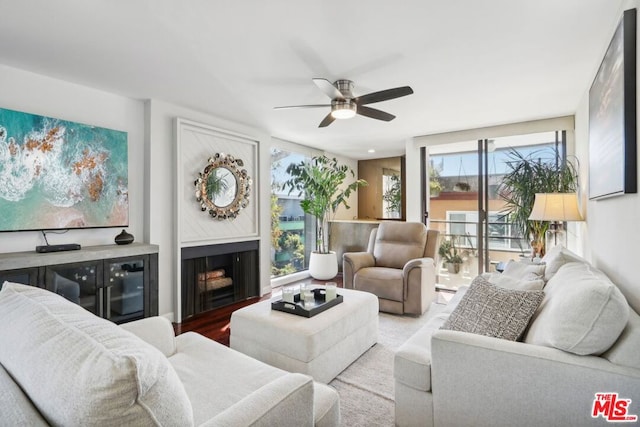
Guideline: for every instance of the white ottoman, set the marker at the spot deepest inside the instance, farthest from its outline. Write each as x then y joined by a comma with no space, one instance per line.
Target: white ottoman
321,346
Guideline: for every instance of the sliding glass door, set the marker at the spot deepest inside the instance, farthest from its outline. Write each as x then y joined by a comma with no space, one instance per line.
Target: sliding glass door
462,188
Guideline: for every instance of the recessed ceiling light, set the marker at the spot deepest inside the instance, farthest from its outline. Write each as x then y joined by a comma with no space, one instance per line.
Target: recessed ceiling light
371,150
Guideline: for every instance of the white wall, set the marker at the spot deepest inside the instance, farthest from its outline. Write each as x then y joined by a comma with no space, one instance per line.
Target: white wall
37,94
412,187
159,229
612,235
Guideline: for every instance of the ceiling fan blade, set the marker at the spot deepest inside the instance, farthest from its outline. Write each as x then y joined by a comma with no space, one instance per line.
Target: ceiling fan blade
302,106
328,88
326,121
374,114
383,95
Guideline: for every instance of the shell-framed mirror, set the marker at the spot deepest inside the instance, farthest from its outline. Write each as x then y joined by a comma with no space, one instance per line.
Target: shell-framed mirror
223,187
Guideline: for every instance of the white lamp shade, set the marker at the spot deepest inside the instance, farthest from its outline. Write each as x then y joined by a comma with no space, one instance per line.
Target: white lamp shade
555,207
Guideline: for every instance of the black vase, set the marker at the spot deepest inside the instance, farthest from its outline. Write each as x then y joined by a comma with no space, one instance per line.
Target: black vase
124,238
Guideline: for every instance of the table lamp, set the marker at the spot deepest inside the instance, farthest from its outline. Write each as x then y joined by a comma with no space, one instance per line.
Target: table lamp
555,208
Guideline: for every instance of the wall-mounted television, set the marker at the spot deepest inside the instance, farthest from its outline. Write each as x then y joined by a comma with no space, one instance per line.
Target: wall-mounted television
56,174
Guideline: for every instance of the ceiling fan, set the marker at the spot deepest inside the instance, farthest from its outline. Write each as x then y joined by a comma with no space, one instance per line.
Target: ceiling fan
344,105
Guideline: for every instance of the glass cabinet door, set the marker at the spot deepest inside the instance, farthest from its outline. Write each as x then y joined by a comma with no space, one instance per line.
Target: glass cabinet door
124,289
78,282
26,276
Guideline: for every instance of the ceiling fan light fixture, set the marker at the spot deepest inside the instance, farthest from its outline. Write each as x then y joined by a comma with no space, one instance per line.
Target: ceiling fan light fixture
343,109
344,105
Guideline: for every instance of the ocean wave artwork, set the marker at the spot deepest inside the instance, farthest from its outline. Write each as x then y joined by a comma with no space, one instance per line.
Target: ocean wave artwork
57,174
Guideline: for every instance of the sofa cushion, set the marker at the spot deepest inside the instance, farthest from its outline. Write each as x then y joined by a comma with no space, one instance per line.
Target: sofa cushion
201,362
96,373
412,360
17,409
521,275
518,269
556,258
625,350
386,283
455,300
528,282
582,312
487,309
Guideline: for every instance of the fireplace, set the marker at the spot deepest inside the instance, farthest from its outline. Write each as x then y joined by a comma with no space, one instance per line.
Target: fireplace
217,275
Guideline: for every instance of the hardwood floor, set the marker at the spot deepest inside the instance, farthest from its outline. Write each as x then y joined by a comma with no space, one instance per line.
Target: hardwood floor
215,324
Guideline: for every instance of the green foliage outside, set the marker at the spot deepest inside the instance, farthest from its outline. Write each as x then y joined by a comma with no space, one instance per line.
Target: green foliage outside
435,187
393,196
294,245
288,246
319,182
276,231
528,175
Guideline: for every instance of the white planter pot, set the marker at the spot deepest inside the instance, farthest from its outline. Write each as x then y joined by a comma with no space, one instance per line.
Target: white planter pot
323,266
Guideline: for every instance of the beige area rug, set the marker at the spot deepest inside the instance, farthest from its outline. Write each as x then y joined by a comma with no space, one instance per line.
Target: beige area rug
366,386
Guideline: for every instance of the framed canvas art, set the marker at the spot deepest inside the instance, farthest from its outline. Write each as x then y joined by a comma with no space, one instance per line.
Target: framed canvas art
612,116
57,174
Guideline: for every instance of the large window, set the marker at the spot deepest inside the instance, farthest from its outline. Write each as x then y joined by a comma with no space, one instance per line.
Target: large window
466,203
291,230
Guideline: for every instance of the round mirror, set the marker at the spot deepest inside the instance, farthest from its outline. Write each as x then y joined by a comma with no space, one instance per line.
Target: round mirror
223,187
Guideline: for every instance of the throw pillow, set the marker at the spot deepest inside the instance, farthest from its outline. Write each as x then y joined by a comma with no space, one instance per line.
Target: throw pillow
556,258
519,269
487,309
522,275
482,278
582,312
528,282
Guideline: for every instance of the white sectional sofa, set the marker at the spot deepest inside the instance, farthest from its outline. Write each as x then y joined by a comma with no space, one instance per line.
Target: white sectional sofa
61,365
583,339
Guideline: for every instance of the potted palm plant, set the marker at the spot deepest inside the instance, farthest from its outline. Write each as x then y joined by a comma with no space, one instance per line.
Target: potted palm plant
450,255
321,183
527,175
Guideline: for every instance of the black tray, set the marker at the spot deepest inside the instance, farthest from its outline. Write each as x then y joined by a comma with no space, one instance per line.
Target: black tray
299,308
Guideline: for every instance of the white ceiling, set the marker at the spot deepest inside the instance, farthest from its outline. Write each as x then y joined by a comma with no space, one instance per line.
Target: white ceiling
471,63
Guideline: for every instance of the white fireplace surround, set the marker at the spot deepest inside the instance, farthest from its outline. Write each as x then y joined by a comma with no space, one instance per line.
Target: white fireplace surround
195,144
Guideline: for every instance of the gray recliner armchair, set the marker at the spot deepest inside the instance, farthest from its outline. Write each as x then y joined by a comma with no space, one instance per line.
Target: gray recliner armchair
399,267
